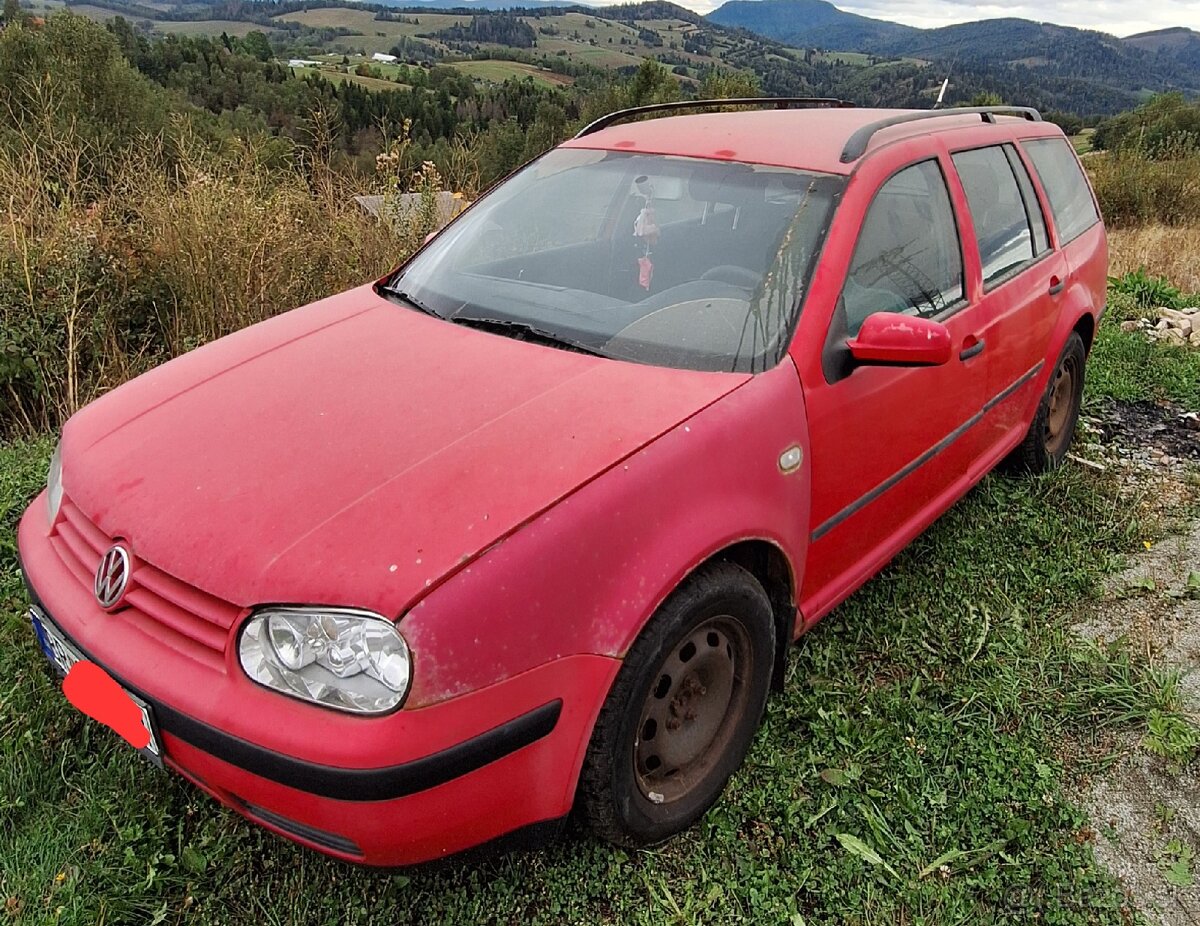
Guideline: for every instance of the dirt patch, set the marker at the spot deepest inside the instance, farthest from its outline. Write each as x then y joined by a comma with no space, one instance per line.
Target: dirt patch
1147,429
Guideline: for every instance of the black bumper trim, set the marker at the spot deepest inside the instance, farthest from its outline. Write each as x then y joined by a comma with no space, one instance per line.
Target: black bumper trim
363,784
344,784
318,837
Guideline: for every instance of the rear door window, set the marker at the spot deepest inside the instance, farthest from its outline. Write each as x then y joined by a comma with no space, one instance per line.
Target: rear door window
1071,201
1002,225
1033,207
908,258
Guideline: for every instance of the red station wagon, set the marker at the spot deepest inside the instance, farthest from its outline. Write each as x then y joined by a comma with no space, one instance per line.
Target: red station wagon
529,524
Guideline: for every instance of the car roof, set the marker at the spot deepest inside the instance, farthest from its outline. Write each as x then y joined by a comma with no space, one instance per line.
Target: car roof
805,139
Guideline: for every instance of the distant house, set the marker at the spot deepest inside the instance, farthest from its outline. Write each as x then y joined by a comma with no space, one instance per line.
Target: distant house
302,63
384,59
404,205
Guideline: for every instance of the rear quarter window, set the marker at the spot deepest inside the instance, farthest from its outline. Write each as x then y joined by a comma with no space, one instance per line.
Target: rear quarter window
1071,201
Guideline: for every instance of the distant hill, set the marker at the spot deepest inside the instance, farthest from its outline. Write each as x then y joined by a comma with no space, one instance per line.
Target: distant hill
810,24
1016,52
1179,45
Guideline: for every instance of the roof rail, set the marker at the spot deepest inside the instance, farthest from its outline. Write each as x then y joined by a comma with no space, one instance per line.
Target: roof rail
782,102
856,147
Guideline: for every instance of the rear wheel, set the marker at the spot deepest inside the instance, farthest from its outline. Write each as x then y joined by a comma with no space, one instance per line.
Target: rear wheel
1049,437
683,710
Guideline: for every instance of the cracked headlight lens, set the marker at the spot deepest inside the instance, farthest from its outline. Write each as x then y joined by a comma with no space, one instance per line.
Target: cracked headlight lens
350,660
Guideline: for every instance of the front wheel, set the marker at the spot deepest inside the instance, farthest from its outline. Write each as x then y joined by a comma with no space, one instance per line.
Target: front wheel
1049,437
683,710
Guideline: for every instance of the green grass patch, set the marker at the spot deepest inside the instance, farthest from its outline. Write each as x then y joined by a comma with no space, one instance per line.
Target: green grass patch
1127,365
499,71
912,771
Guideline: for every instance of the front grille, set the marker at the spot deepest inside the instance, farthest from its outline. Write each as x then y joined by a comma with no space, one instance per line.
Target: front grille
325,840
188,620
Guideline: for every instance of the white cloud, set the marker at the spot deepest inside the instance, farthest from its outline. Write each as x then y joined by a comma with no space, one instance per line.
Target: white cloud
1120,17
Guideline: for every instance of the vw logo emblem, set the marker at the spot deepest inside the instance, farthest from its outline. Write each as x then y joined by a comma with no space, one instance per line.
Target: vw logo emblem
112,577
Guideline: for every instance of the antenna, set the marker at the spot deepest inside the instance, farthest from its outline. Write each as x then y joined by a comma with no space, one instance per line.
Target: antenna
942,93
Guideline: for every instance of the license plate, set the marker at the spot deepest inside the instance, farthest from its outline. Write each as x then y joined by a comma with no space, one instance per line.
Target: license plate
62,654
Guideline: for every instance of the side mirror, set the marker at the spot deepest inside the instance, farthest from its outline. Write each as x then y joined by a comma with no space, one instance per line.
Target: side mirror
891,339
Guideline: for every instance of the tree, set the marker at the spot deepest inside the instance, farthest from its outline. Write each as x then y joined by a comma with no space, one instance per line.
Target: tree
986,99
12,11
258,45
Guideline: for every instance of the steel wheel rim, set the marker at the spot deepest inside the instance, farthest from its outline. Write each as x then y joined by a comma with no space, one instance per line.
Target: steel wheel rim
692,709
1059,418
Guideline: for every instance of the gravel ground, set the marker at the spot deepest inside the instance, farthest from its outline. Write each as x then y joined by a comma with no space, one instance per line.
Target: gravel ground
1146,809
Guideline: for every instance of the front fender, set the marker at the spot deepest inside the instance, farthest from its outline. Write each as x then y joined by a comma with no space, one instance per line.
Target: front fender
585,576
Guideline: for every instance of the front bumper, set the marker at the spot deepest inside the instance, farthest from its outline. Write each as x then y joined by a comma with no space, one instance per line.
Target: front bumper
413,786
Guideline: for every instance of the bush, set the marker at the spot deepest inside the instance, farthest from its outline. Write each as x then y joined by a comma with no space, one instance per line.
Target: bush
1159,129
1145,291
1136,189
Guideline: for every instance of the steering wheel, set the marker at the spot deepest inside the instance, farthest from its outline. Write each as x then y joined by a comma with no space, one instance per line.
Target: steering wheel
734,275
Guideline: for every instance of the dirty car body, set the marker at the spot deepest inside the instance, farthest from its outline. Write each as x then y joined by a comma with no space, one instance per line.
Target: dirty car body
385,556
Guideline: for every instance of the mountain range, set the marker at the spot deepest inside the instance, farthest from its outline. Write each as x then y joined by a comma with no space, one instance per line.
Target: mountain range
1167,59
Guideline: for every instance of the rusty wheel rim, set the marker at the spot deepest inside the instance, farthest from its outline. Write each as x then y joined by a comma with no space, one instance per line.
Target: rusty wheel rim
1060,420
692,710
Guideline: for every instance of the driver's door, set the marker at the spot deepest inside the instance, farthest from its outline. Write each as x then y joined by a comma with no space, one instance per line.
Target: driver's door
891,446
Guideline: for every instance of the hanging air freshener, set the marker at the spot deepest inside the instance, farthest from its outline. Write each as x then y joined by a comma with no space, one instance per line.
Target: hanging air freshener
645,272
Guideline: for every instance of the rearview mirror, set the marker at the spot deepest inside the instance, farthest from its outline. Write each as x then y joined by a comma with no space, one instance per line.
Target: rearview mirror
892,339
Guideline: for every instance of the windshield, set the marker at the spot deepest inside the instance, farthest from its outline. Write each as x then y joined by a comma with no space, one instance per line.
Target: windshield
672,261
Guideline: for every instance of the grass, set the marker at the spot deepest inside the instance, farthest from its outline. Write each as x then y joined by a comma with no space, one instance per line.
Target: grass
500,71
1163,250
1129,367
338,77
209,27
914,769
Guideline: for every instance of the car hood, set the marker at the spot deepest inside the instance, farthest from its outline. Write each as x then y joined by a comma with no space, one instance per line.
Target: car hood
355,451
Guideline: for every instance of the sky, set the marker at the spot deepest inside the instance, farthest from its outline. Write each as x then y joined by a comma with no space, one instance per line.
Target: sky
1120,17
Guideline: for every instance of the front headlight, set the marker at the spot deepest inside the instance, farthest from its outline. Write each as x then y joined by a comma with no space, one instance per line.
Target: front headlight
54,490
350,660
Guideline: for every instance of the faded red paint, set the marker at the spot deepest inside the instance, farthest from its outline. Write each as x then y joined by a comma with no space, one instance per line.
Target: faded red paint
519,511
94,692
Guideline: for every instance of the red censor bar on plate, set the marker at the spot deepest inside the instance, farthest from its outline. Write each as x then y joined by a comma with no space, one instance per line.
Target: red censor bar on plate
94,692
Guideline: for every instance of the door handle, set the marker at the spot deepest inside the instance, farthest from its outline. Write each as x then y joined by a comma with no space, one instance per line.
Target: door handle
973,350
1057,284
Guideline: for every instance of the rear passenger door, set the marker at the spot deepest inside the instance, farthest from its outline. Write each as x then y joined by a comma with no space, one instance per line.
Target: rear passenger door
1021,279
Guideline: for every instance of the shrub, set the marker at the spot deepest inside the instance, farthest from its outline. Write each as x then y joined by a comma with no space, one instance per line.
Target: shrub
1159,128
1147,292
181,245
1136,189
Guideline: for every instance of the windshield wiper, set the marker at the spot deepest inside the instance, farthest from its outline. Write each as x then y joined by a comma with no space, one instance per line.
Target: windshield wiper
523,331
414,302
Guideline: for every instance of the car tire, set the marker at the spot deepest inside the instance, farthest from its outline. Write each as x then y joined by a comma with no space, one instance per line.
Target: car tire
1049,437
683,710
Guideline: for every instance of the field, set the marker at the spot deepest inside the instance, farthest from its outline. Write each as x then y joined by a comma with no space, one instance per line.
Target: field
372,35
207,27
500,71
